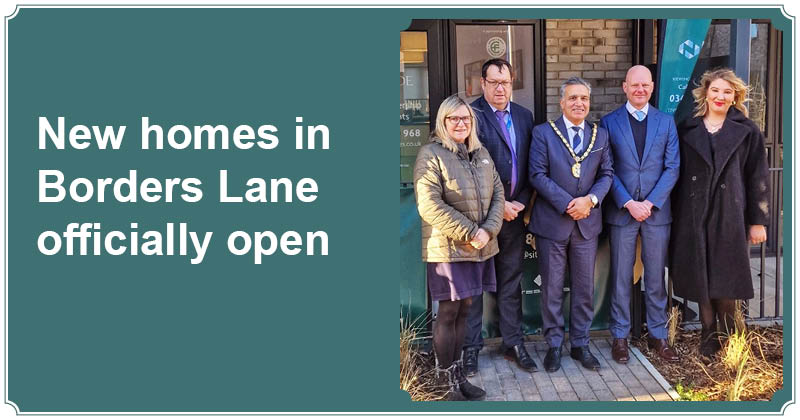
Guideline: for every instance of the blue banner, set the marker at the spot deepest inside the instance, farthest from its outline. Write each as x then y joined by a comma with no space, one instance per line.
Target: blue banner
682,43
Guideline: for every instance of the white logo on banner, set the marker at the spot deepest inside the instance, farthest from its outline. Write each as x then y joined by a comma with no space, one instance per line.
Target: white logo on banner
496,47
689,49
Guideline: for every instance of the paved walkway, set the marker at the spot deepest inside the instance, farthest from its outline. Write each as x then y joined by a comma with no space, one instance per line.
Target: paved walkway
635,381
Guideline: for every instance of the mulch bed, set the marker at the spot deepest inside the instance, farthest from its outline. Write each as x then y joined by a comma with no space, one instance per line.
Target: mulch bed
710,378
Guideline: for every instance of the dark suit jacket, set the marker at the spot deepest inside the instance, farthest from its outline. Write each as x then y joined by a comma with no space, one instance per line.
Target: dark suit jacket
550,171
653,177
491,136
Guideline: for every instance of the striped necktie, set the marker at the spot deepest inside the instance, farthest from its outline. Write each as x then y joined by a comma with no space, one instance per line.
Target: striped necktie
576,139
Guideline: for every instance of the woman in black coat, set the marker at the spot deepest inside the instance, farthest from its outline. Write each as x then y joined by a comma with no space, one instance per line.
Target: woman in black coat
720,204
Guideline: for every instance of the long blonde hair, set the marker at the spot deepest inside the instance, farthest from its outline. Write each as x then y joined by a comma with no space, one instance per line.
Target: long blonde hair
449,106
740,90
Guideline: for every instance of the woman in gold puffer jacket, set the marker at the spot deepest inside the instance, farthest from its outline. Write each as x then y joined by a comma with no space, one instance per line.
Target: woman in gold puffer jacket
460,199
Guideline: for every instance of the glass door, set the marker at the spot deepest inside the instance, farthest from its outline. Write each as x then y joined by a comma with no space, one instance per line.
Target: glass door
518,42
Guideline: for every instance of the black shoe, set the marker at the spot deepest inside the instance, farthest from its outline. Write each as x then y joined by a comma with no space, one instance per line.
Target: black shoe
470,358
521,356
583,355
552,362
470,391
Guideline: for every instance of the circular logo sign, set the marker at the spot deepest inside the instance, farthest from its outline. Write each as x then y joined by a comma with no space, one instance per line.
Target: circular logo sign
496,47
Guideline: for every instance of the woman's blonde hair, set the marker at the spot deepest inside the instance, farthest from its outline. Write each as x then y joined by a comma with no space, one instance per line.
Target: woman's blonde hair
740,90
449,106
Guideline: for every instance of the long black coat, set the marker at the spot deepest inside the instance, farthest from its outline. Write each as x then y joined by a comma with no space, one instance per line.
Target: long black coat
713,204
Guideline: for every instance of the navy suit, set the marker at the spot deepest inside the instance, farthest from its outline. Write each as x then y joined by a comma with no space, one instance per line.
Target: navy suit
511,239
559,238
649,178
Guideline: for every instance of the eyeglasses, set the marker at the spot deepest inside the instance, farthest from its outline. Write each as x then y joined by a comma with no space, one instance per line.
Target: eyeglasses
493,84
455,120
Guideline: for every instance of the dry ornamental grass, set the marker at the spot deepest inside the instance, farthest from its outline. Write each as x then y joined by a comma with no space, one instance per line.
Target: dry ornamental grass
417,375
749,367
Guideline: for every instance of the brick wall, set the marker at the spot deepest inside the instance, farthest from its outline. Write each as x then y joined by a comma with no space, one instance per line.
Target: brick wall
598,50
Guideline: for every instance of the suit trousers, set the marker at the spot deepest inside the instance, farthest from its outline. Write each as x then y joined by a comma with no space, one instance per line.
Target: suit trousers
655,241
508,269
554,256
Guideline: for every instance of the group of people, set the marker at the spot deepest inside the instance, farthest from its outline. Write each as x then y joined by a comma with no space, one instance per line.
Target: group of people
696,194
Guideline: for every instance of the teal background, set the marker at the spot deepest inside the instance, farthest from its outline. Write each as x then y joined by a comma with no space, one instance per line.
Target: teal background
297,333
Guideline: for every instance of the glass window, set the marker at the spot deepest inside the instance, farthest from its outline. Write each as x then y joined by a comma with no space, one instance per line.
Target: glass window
759,57
477,43
716,49
414,100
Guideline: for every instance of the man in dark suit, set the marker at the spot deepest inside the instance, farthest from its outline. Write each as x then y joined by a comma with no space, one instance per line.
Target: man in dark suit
570,167
644,144
504,128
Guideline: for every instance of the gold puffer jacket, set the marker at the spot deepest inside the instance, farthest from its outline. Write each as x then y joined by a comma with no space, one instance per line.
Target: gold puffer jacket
457,193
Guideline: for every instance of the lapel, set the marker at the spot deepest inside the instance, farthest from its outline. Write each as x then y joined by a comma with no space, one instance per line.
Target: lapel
697,137
627,133
653,121
587,138
727,141
563,129
493,121
517,127
730,136
555,140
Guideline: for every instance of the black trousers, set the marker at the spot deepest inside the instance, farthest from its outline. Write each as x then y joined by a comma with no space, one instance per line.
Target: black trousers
508,269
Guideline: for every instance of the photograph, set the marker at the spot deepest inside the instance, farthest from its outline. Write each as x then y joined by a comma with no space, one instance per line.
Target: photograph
596,213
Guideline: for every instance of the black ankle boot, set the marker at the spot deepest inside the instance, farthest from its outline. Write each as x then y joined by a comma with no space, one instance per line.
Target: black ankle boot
448,378
470,392
709,342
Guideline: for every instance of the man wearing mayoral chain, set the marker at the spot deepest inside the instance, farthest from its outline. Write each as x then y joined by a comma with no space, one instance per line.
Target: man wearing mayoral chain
571,169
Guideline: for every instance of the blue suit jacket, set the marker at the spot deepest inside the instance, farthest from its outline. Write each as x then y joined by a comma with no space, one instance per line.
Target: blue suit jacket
550,169
491,136
653,177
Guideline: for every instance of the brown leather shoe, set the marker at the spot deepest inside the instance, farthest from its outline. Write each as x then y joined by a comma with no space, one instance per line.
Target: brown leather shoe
619,350
663,349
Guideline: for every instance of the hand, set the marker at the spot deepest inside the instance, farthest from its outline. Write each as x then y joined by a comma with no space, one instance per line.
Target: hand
649,206
511,211
579,208
480,240
638,210
757,234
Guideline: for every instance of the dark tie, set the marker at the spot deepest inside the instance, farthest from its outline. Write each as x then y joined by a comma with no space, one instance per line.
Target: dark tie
576,139
501,119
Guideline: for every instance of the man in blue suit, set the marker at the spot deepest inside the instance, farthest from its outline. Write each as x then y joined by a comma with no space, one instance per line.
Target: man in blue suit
644,144
504,129
571,169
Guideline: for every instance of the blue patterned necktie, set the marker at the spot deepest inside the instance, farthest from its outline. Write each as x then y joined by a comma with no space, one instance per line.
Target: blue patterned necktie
639,115
576,139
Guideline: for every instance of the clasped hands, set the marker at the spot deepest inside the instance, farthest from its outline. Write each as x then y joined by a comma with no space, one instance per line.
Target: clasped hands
480,239
639,210
580,207
511,210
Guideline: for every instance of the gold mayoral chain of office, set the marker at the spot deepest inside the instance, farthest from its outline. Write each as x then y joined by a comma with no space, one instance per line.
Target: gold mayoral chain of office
576,167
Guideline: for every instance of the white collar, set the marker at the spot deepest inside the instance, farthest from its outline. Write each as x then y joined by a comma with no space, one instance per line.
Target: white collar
631,109
569,123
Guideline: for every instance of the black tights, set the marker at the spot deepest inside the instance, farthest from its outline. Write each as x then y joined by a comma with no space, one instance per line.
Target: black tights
449,329
715,310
